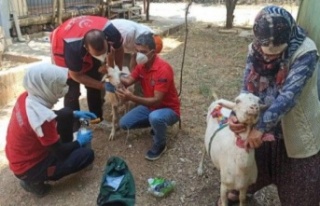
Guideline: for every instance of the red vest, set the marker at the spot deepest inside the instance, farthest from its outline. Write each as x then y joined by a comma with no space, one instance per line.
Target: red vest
70,34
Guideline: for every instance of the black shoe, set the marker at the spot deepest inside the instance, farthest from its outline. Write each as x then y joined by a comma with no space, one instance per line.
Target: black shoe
38,189
155,152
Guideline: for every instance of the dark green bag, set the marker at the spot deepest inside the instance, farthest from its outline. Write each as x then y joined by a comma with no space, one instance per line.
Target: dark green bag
117,185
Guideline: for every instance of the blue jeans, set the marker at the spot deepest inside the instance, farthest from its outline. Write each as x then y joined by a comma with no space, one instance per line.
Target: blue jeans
141,117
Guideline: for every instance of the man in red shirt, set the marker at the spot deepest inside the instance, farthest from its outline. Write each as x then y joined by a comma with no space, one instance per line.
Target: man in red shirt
82,45
40,144
160,105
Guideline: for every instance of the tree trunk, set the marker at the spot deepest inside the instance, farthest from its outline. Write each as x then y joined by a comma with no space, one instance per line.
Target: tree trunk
147,10
230,6
60,11
54,10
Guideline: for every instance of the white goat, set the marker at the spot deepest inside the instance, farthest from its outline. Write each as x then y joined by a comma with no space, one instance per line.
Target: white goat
112,97
237,165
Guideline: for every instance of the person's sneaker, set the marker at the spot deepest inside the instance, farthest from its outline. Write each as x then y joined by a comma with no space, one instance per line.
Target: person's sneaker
155,152
104,125
38,189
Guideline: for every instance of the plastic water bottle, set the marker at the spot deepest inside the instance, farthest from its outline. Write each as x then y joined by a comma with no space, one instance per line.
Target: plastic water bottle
84,129
160,187
84,124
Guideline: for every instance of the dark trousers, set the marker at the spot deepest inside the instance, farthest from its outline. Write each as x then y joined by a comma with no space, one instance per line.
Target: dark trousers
94,96
52,168
297,179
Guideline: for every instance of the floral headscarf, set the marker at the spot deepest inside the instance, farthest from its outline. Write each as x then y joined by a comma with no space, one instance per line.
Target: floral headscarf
273,25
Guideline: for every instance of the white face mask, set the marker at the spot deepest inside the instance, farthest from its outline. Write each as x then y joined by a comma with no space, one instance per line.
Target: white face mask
101,58
273,50
141,58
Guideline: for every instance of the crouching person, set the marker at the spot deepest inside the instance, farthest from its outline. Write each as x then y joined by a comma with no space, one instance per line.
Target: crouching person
160,105
40,144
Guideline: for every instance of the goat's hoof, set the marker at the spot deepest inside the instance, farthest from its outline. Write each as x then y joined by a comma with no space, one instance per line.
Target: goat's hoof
200,172
111,137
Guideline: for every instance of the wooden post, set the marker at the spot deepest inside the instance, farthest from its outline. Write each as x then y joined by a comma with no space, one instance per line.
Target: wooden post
2,46
102,8
144,7
54,9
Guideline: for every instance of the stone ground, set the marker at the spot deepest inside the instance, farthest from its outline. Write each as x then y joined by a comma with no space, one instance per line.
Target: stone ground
214,62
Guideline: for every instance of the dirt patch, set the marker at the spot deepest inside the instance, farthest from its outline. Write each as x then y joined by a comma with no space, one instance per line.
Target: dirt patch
214,62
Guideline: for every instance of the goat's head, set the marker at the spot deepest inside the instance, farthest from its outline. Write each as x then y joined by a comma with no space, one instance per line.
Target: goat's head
114,76
246,107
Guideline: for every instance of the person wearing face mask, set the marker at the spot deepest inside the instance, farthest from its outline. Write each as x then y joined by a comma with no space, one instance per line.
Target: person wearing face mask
129,31
160,106
84,45
39,141
282,69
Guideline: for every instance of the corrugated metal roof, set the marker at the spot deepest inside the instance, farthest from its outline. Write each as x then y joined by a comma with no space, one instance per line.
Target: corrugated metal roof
309,19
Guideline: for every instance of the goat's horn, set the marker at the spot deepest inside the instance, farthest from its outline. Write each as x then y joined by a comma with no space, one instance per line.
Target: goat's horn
263,107
226,103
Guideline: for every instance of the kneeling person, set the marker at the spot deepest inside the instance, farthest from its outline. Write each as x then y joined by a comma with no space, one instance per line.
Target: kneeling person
160,105
40,144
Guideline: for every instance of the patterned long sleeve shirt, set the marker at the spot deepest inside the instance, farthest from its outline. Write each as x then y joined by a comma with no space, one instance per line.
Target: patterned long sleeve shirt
281,100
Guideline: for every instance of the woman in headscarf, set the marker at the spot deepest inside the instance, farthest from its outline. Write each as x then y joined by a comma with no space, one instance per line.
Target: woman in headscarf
281,70
39,140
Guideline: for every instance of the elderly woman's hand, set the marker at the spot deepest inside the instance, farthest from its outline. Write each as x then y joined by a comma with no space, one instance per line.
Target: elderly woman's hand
254,138
235,126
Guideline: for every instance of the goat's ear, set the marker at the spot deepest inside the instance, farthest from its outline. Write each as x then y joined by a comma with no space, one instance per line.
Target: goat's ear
116,68
104,78
226,103
125,69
